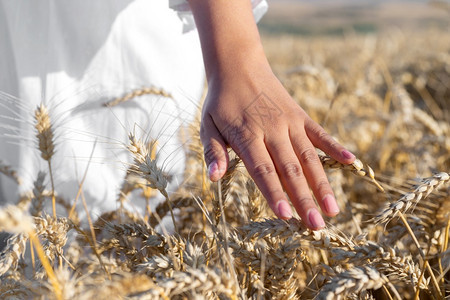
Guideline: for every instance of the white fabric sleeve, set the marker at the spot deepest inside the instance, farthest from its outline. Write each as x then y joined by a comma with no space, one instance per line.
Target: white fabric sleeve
184,12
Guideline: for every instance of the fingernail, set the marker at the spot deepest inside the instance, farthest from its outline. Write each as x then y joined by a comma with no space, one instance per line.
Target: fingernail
284,210
315,219
330,204
348,155
213,169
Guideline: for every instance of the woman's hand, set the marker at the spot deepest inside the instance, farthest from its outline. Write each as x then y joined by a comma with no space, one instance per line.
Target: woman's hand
248,109
252,112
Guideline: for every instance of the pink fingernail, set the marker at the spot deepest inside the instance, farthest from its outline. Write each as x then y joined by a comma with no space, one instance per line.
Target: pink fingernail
315,219
348,155
213,170
330,205
284,210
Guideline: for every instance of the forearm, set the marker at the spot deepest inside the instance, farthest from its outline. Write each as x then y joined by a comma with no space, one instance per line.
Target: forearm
229,36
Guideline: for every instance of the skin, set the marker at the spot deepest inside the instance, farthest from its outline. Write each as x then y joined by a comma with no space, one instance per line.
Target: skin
248,109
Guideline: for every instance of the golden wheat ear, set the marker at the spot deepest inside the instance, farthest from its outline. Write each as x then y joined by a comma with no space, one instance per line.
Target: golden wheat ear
45,136
137,93
409,200
45,132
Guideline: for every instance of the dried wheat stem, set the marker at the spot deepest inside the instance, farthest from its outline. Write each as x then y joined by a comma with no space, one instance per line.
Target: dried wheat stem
225,248
357,167
422,254
46,264
416,294
172,214
138,93
408,200
53,188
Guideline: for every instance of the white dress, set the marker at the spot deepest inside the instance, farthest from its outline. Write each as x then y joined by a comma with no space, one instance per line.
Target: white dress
76,55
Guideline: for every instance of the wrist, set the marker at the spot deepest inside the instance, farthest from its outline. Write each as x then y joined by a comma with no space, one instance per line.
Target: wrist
229,37
237,63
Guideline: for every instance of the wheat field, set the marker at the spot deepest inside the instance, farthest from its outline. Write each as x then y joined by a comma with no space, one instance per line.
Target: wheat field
385,96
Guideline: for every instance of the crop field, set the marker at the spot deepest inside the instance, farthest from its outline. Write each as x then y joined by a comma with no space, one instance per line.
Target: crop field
384,94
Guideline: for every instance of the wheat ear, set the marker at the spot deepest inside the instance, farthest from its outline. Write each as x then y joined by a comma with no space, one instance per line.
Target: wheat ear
11,254
225,186
353,280
13,219
138,93
45,137
37,201
410,199
357,167
146,167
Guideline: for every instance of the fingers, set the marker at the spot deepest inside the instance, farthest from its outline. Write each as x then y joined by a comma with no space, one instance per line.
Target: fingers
314,173
215,149
260,166
292,174
322,140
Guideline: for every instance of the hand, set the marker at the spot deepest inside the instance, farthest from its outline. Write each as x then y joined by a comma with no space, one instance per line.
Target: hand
252,112
248,109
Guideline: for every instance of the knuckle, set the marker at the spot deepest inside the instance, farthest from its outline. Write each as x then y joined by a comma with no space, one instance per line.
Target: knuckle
309,157
323,187
303,201
323,135
327,138
263,170
291,170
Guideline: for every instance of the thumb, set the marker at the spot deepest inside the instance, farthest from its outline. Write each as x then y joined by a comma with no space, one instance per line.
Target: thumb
215,149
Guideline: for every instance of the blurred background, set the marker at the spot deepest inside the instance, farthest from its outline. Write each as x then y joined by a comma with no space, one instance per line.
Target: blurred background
338,17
